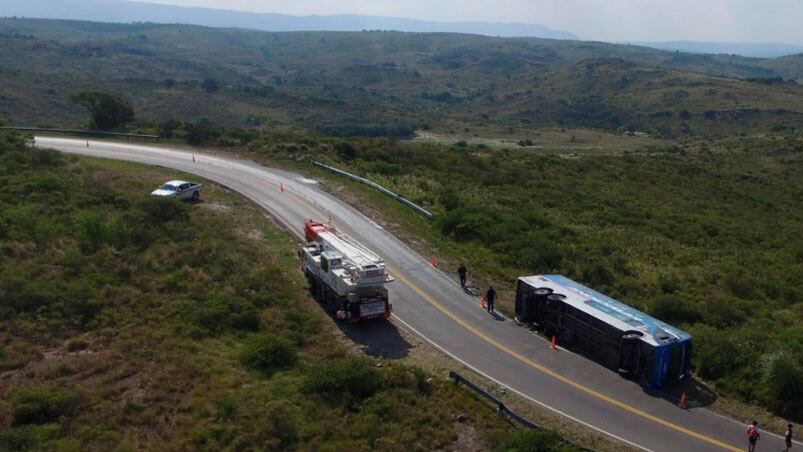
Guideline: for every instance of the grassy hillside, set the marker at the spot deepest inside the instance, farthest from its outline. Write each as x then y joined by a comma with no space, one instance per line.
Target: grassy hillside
386,83
131,323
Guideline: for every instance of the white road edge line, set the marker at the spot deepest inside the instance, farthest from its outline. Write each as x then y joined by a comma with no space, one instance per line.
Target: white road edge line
542,404
766,432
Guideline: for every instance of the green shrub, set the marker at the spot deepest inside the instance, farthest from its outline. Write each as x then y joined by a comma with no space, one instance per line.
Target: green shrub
346,151
466,224
344,381
674,309
41,405
268,354
717,355
94,230
223,312
783,382
201,132
278,427
29,437
534,440
158,210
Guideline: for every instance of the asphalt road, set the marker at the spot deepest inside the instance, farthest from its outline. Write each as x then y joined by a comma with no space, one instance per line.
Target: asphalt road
430,303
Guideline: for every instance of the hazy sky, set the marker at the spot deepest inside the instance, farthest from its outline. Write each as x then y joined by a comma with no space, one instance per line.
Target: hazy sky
609,20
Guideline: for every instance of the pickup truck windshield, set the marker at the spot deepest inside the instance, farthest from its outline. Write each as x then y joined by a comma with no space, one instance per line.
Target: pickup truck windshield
168,187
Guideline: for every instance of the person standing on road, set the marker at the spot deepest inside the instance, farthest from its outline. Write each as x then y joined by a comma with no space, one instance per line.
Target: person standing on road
461,271
490,296
752,436
788,437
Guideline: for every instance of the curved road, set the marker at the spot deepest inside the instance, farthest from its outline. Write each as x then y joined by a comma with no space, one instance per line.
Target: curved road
432,305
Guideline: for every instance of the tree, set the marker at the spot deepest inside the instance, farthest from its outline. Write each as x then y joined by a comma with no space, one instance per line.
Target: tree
210,85
783,382
106,111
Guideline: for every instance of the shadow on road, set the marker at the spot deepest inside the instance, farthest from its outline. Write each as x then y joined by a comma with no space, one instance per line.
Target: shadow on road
497,317
378,338
698,395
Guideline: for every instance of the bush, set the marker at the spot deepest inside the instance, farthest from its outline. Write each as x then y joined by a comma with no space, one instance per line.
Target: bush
466,223
29,437
158,210
201,132
223,312
41,405
210,85
716,355
268,354
534,440
278,426
345,151
783,381
344,381
93,231
673,309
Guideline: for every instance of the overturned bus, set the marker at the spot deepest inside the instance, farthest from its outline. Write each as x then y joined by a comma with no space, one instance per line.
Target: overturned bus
607,331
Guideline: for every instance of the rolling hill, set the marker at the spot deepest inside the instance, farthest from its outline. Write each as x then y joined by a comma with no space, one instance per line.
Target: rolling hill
135,11
387,83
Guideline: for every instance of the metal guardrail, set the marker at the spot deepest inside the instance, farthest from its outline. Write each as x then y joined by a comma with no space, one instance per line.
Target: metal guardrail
82,132
376,186
501,407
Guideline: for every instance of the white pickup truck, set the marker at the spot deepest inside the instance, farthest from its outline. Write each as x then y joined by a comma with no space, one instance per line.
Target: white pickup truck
179,189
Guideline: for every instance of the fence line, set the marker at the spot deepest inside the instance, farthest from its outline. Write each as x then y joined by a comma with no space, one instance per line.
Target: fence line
82,132
376,186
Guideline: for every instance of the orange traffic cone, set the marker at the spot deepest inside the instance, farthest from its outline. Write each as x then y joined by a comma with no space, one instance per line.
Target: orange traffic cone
434,261
281,187
553,344
682,403
483,303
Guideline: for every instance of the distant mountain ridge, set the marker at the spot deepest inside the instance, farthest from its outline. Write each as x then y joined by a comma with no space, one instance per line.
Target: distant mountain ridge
745,49
127,11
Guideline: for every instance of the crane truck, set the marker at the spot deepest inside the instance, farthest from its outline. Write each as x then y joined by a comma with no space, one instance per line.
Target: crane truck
344,276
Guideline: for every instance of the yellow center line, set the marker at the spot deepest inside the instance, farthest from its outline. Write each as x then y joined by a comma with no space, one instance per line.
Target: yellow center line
534,364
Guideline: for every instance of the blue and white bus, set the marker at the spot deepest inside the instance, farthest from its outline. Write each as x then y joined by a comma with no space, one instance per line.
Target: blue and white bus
607,331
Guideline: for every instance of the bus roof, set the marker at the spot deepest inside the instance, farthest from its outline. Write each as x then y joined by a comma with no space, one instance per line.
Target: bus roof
605,308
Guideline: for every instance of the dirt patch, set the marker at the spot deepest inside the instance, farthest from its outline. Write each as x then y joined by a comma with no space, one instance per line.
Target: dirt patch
467,439
215,207
252,234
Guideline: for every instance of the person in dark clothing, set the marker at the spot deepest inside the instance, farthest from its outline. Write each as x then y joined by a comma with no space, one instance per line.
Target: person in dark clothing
461,271
490,296
788,437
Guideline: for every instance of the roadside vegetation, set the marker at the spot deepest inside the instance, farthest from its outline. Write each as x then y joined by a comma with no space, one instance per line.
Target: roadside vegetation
128,322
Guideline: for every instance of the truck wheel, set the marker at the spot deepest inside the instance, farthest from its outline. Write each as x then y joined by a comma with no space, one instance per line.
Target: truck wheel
196,195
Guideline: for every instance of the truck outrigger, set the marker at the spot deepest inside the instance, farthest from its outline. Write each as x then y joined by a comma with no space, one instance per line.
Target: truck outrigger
347,278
